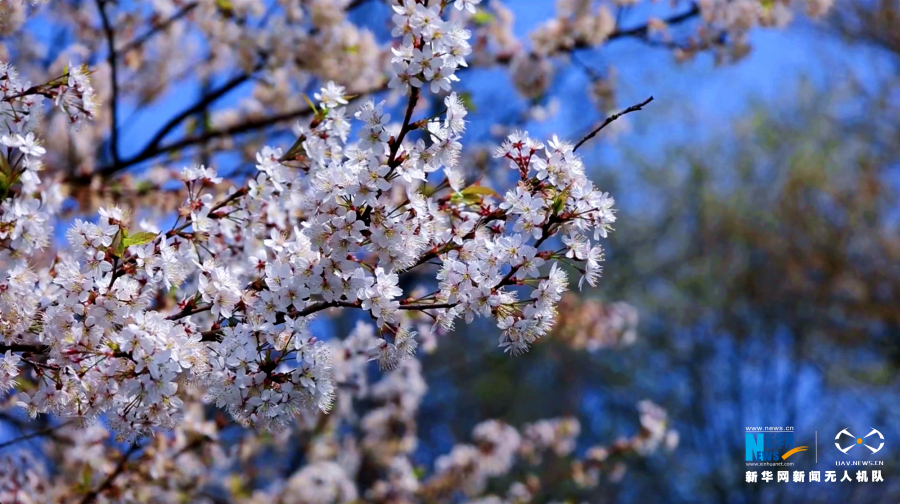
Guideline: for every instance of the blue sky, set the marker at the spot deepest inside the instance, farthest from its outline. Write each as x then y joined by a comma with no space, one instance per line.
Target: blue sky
687,95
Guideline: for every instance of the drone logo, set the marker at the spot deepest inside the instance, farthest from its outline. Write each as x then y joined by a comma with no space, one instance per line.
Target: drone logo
859,441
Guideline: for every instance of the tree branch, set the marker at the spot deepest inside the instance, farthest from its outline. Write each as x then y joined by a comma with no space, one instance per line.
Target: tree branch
640,31
435,306
395,148
592,134
188,312
120,467
34,434
237,129
200,105
141,40
21,347
265,122
279,318
113,66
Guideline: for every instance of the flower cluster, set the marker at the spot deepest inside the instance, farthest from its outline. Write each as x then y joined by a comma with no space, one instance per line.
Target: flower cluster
557,436
196,463
552,197
74,94
26,206
177,466
223,300
432,48
498,448
267,392
9,369
655,433
591,325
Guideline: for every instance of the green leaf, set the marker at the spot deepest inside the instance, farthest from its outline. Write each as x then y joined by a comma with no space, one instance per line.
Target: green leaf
87,477
480,190
115,188
473,194
466,98
118,245
559,202
5,176
310,103
144,187
139,238
295,149
482,17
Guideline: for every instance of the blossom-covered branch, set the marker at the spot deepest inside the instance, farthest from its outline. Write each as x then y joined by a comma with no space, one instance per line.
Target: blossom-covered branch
331,223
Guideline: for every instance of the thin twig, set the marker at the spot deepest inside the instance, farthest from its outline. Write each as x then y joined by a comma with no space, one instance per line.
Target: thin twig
37,433
200,105
141,40
406,128
111,45
633,108
643,29
21,347
188,312
434,306
256,124
120,467
237,129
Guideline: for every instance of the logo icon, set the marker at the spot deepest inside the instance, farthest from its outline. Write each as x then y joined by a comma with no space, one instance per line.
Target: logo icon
768,446
858,441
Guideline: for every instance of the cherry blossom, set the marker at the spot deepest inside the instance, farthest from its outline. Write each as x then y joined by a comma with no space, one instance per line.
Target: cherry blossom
133,320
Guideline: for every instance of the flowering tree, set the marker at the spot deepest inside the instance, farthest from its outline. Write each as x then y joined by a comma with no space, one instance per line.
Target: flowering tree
186,306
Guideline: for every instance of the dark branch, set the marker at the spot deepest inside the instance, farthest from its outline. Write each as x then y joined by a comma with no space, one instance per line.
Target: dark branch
113,67
640,31
197,107
237,129
158,27
435,306
20,347
38,433
120,468
592,134
188,312
265,122
395,148
279,318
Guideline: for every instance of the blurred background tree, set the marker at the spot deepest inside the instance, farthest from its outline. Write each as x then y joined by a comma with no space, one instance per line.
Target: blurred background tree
764,261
